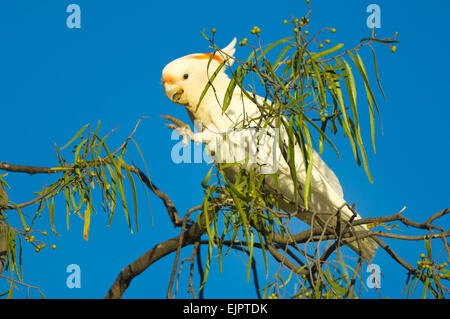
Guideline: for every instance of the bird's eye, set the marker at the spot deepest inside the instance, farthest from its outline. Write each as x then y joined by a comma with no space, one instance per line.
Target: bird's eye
185,76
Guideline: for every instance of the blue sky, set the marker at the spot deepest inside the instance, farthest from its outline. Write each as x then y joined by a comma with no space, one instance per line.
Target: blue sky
54,80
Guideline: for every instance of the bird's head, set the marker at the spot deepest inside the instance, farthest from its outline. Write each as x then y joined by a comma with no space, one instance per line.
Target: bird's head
185,78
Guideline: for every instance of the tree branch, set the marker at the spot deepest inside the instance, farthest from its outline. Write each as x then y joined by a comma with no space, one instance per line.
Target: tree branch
173,214
123,280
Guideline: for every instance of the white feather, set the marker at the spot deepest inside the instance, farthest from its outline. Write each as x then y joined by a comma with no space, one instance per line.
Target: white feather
228,52
230,48
327,196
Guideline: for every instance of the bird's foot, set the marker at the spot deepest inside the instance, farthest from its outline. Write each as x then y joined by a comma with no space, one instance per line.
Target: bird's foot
182,128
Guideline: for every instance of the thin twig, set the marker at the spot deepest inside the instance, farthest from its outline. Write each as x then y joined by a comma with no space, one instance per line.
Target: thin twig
191,269
180,245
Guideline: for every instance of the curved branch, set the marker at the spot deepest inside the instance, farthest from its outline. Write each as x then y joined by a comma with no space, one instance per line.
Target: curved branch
404,220
172,211
159,251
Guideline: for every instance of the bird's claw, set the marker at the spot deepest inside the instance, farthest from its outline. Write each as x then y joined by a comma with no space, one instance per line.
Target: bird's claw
176,121
182,128
172,126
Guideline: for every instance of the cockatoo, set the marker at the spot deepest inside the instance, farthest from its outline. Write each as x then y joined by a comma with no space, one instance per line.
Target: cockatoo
184,81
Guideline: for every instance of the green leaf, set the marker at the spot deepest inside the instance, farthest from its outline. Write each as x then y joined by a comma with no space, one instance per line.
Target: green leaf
376,72
308,164
351,88
370,96
94,135
323,135
75,137
208,261
275,44
87,221
250,256
336,87
209,191
326,52
318,74
51,212
133,190
118,179
425,287
22,219
148,174
11,289
291,156
210,80
207,177
415,285
112,194
229,94
263,249
283,53
78,149
428,247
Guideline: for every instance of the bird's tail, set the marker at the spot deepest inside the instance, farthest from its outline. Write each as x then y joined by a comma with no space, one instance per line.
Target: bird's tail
365,247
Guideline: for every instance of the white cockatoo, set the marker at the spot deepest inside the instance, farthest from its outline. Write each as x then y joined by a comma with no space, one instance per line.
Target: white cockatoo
184,81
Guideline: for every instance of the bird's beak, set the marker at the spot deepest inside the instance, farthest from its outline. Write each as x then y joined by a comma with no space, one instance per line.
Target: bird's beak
174,92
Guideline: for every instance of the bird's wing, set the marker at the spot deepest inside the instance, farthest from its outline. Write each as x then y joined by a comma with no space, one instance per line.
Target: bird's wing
327,174
323,178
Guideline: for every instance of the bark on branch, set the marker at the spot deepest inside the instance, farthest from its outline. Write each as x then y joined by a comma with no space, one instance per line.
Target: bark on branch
190,236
